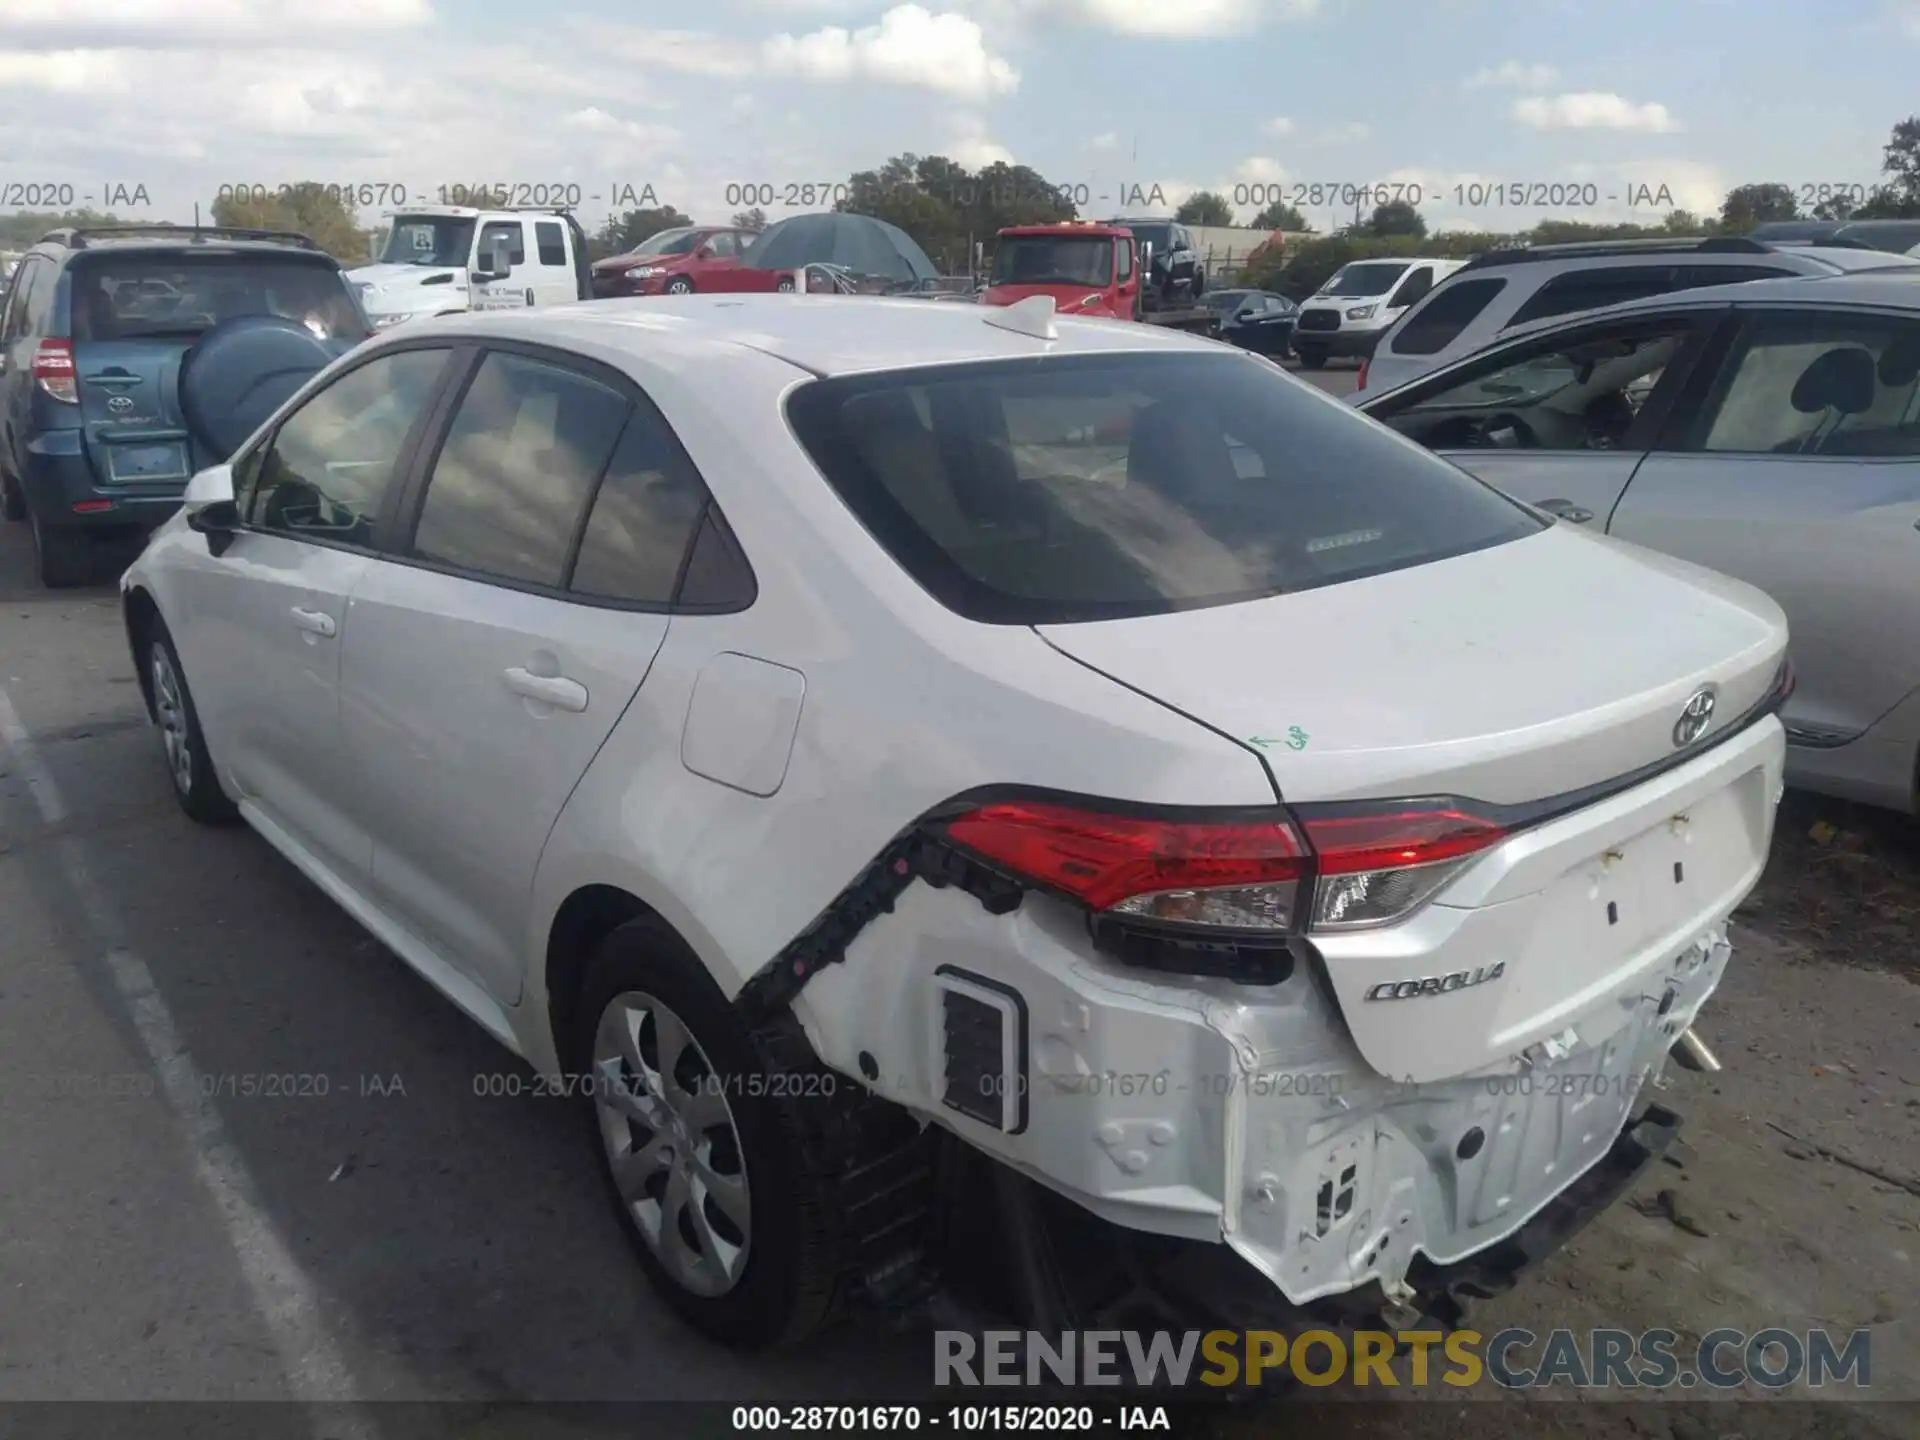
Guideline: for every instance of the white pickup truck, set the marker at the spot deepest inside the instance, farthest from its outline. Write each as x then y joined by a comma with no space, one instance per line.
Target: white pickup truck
443,259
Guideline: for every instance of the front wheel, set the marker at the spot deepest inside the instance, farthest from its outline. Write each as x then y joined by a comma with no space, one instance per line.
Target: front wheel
679,285
1313,357
702,1153
189,765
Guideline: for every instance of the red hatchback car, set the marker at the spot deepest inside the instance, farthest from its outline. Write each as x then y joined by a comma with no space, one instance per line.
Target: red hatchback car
674,262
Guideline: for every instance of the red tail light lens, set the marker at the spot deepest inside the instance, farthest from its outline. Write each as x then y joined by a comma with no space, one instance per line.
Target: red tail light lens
1377,864
1236,874
1364,366
53,370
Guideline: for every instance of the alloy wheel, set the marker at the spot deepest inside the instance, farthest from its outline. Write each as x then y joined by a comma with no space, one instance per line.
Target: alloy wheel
672,1143
172,713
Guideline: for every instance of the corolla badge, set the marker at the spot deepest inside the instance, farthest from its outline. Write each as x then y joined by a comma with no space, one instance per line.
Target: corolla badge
1694,718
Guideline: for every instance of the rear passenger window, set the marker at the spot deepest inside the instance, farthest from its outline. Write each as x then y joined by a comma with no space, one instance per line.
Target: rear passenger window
643,518
1695,276
1413,289
1592,289
512,480
552,244
1439,322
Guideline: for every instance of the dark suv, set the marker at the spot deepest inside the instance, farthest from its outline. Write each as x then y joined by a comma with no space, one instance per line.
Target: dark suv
107,337
1176,270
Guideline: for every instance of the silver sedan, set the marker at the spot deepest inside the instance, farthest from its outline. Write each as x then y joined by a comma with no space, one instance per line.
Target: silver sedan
1768,430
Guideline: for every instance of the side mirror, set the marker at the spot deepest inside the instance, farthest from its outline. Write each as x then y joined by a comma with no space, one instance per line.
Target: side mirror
219,522
210,486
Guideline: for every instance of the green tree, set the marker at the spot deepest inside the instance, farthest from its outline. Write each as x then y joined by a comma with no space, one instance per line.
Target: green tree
1685,222
1396,217
1898,197
1281,216
309,209
754,220
1835,207
1204,207
23,229
949,209
1749,205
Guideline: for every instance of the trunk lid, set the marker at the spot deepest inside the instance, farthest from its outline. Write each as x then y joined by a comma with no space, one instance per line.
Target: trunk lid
1516,673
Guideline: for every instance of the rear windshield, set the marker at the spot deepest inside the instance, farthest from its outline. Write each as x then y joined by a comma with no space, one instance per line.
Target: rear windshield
133,297
1372,277
1094,487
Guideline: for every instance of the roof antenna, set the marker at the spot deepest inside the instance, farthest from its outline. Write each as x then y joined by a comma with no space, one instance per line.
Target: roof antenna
1032,317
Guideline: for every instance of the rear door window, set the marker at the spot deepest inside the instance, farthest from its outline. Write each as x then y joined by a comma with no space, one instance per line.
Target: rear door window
551,242
510,484
1579,290
1095,487
1438,323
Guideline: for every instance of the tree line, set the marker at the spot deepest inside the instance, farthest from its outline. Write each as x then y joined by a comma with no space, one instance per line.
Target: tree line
954,213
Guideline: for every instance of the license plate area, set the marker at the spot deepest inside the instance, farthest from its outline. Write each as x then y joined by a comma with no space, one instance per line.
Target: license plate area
1641,898
146,463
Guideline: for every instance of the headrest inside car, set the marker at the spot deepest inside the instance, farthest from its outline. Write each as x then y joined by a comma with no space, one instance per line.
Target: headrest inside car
1842,379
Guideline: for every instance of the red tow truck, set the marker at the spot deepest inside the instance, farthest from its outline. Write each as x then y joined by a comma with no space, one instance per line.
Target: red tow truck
1087,267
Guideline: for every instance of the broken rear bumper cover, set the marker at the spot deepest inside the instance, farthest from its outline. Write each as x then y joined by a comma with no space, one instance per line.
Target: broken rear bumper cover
1213,1111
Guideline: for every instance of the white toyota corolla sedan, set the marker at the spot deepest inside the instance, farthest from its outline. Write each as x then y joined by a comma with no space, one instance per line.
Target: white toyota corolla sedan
933,778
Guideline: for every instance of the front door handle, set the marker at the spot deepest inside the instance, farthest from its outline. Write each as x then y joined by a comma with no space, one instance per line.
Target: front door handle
555,690
1566,510
316,622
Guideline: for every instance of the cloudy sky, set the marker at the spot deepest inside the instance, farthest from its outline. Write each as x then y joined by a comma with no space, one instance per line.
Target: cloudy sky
1134,100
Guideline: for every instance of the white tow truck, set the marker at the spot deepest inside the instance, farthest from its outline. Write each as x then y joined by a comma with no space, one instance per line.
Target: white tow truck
444,259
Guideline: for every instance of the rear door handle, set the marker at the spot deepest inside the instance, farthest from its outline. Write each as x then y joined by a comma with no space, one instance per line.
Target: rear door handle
317,622
555,690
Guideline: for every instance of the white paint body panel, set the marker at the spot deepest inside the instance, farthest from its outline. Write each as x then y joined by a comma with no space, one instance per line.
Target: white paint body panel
480,816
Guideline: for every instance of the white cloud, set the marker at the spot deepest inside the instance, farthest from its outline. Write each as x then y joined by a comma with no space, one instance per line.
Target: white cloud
595,121
1351,131
1511,74
64,72
1910,20
1593,110
1191,18
207,22
689,52
910,46
1279,125
1260,170
1104,142
972,147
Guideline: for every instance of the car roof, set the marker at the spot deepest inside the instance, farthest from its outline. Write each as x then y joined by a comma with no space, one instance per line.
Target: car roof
1890,288
828,335
145,245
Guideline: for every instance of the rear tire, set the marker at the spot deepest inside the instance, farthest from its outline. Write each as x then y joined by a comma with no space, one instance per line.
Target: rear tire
189,765
729,1220
61,556
1312,357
